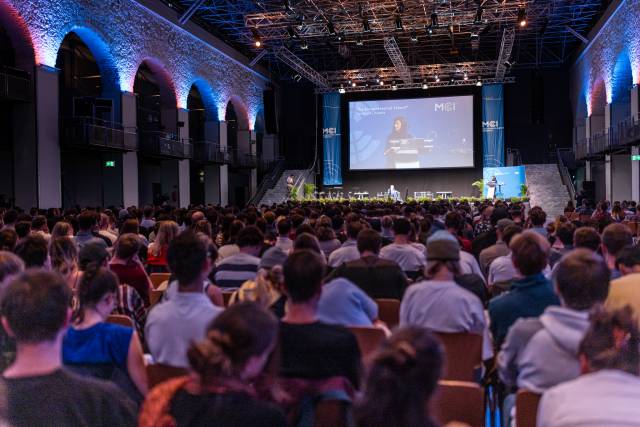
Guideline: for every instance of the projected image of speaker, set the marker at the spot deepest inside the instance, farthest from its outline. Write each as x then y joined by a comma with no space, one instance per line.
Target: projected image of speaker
270,116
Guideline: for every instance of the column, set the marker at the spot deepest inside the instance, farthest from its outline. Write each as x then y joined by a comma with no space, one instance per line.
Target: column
635,174
607,117
224,169
130,188
607,176
47,125
25,154
184,177
212,172
254,171
635,103
587,170
587,134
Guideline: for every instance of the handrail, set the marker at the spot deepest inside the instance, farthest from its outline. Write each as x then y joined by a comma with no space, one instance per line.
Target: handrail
623,134
564,173
99,133
268,181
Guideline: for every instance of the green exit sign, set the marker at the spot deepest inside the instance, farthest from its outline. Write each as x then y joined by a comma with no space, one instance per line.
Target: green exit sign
635,157
110,164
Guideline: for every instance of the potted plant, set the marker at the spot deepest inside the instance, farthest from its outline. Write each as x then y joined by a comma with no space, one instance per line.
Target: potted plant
479,184
308,190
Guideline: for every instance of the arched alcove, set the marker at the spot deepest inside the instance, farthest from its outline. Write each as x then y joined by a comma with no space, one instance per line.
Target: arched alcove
598,101
622,80
155,90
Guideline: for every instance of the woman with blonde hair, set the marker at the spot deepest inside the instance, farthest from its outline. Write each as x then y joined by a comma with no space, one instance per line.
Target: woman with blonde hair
157,253
64,259
62,229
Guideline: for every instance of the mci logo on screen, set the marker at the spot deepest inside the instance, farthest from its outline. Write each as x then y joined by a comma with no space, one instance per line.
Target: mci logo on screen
491,124
445,106
329,131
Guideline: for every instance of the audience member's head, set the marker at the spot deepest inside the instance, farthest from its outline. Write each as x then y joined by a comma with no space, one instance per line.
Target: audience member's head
92,255
303,273
35,307
612,342
237,346
34,251
10,266
582,279
510,232
96,292
353,228
401,226
64,255
369,241
443,254
188,261
23,228
565,232
127,246
628,260
537,216
8,239
87,221
586,237
250,239
62,229
529,252
284,227
404,375
615,237
39,223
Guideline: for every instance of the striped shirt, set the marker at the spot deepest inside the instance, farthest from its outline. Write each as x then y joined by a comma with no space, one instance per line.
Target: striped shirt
233,271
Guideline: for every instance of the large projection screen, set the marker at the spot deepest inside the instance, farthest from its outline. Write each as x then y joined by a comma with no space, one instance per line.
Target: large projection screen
418,133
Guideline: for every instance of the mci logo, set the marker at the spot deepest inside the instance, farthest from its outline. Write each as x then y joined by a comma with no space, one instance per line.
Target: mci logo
491,124
445,106
329,131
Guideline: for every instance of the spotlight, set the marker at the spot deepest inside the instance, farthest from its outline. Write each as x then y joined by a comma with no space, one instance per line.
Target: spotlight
522,17
257,41
509,63
304,46
359,41
377,79
354,84
479,82
434,19
394,86
399,23
366,27
341,90
429,30
331,28
465,76
437,78
340,37
478,18
381,83
414,36
425,86
349,81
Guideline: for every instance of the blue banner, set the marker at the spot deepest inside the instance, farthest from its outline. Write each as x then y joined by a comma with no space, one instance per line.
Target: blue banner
508,182
331,140
493,125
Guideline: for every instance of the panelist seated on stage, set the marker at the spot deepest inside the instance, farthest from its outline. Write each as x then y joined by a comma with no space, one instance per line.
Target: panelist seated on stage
394,194
409,258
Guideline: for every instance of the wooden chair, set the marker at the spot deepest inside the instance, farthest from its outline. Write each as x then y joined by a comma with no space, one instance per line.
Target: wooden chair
464,355
226,296
527,408
458,401
158,278
120,319
154,297
369,339
389,311
158,373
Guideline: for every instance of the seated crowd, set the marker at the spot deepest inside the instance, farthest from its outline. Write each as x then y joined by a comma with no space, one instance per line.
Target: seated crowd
259,312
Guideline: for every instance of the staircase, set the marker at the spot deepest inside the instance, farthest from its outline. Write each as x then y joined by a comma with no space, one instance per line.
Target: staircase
546,189
278,193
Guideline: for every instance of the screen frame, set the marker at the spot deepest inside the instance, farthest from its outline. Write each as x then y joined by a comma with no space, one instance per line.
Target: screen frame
440,92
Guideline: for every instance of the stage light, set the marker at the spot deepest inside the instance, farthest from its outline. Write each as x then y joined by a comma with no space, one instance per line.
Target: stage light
429,30
465,76
359,41
340,37
354,84
399,23
437,78
394,86
366,27
331,28
341,90
522,17
257,41
425,86
508,63
304,46
478,18
349,81
377,79
381,83
414,36
479,82
434,19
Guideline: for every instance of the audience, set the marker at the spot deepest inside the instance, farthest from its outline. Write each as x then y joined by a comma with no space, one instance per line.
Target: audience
614,238
379,278
236,269
349,249
87,226
157,251
401,381
283,241
500,248
344,303
410,259
172,325
501,270
34,251
625,290
100,349
234,352
64,259
607,392
36,387
530,294
127,266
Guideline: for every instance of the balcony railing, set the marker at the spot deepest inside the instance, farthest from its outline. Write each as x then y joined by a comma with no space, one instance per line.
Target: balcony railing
15,84
623,135
208,152
91,132
163,144
243,160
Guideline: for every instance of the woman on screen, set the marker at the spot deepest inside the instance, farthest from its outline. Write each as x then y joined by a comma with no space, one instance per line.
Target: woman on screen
398,153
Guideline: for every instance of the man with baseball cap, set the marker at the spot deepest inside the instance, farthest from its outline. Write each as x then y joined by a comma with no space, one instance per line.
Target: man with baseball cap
439,303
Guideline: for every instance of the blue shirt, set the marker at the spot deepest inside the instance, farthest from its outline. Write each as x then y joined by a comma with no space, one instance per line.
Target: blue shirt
344,303
528,297
103,343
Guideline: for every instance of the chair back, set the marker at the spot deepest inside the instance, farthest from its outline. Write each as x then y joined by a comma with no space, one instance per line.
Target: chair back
159,372
369,339
154,297
226,297
158,278
463,355
458,401
120,319
527,408
389,311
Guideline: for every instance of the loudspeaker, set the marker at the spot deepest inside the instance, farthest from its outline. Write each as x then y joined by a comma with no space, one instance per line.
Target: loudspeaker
270,119
589,189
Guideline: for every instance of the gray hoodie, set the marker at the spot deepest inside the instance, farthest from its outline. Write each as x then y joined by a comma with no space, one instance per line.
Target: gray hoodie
540,353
